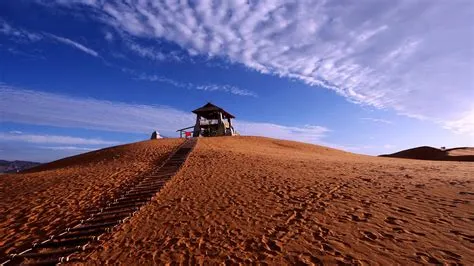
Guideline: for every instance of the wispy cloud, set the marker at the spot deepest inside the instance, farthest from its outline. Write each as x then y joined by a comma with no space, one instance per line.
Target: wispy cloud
187,85
32,138
40,108
22,35
18,34
146,52
410,56
152,52
109,36
74,44
377,120
464,125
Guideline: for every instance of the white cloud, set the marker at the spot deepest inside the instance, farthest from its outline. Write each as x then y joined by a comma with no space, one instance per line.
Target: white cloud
109,36
74,44
187,85
40,108
53,139
18,34
152,52
226,88
463,125
411,56
22,35
377,120
146,52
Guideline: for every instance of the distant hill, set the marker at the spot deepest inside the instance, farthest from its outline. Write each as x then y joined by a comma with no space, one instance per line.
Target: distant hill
429,153
15,166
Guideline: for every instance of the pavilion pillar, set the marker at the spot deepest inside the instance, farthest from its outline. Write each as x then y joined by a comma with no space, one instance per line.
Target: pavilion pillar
197,126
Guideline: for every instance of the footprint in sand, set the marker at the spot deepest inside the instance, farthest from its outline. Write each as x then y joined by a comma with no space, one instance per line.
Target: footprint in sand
271,245
464,236
369,236
398,230
405,210
329,249
392,220
307,259
417,233
449,255
427,258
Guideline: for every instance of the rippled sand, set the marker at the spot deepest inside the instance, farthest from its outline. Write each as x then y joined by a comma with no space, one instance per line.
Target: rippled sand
49,198
249,199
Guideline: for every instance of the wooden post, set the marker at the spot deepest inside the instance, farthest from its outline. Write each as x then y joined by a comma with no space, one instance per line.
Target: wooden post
197,126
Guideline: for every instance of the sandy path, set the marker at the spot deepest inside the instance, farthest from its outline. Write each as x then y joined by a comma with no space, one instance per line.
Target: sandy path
243,200
37,204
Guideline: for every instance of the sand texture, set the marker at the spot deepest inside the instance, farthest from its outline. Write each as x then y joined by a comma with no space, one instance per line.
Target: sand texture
49,198
250,200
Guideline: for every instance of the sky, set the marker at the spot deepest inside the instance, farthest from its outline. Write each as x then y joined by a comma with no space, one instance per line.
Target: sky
370,76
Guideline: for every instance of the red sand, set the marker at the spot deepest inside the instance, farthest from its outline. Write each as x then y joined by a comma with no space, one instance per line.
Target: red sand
250,200
50,197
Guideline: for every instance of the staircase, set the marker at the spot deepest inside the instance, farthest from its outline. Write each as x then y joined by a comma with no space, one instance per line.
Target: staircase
67,246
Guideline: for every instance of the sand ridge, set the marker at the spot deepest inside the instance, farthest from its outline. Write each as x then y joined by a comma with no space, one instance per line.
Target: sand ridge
249,199
49,198
462,154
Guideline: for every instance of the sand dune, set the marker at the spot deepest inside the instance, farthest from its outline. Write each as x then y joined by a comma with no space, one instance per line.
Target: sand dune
430,153
465,151
48,198
255,200
248,199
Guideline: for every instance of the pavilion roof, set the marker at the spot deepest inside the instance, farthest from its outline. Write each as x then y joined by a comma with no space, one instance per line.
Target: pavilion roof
210,108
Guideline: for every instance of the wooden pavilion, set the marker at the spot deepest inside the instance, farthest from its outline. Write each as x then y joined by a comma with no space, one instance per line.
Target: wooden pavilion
211,121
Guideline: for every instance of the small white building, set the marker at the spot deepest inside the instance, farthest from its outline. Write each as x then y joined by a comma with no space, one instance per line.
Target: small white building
156,135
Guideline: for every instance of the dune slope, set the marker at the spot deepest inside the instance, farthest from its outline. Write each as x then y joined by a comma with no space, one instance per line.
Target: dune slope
429,153
248,199
45,199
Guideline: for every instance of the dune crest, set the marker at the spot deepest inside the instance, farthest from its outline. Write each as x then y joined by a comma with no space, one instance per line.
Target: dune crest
251,199
434,154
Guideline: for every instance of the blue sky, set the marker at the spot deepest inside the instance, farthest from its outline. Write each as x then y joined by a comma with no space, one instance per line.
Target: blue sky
369,77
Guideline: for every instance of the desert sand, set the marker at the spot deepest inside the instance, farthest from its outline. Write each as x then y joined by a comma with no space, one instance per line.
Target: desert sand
465,154
249,199
259,200
47,199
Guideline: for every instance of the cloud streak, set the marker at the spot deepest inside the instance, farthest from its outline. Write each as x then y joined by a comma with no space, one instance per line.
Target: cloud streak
74,44
409,56
377,120
20,35
187,85
53,139
40,108
25,36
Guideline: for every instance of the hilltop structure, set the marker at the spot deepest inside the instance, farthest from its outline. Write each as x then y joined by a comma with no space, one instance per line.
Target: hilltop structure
211,121
155,135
